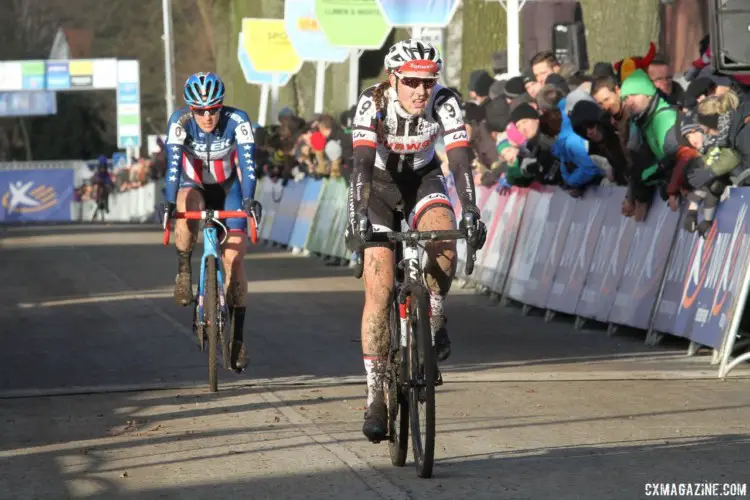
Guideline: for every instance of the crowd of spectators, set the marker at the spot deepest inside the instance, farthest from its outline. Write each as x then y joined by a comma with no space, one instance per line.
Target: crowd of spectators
629,123
109,179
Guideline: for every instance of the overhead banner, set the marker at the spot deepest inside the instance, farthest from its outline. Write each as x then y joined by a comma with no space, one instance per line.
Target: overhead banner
410,13
256,77
28,103
36,195
268,46
355,24
305,34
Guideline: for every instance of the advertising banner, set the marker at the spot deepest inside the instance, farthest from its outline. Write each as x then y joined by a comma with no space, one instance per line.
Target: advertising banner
286,213
606,266
665,318
28,103
408,13
36,195
306,212
715,271
551,245
304,32
254,76
511,225
535,214
268,46
486,267
574,262
354,24
645,266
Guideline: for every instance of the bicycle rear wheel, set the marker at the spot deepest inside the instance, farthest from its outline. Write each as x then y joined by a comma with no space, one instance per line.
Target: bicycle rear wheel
211,319
398,404
422,367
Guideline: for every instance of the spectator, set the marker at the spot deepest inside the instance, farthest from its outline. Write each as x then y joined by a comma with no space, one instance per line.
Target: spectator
513,147
479,86
333,133
588,121
577,169
661,76
658,134
543,65
697,91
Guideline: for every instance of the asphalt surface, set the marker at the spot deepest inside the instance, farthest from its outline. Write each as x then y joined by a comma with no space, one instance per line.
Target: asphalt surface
103,392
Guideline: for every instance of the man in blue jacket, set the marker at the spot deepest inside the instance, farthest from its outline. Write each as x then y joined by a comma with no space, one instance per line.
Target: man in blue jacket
578,169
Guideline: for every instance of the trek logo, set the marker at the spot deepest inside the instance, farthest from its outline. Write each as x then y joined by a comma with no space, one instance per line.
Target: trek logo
24,198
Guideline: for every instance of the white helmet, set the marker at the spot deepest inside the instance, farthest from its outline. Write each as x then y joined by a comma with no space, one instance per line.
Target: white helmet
422,55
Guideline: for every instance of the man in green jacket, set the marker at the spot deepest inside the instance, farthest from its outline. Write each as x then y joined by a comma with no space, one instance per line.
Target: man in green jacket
654,137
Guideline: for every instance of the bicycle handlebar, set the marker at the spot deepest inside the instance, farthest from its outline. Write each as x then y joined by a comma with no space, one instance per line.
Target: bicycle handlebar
213,214
413,237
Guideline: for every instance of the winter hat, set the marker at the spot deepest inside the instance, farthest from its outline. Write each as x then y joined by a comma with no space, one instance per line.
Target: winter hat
638,83
523,112
689,123
699,87
603,69
483,84
474,78
500,62
584,113
559,82
549,97
497,89
498,114
514,87
575,97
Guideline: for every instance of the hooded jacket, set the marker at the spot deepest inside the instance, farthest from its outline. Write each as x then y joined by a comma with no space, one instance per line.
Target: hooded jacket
658,126
578,169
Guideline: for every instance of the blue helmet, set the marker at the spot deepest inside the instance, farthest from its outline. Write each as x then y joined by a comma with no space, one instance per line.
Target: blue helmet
203,90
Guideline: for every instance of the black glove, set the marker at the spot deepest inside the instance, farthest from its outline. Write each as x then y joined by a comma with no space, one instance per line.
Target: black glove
358,230
169,210
476,231
253,209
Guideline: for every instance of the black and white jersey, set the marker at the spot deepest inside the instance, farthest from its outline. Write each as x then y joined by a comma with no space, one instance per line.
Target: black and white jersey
403,141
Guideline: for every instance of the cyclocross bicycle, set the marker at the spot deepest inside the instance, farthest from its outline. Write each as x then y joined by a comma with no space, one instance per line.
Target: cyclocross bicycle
412,373
211,311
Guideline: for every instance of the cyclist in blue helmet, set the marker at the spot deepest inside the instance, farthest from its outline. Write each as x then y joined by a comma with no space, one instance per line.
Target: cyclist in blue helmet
211,164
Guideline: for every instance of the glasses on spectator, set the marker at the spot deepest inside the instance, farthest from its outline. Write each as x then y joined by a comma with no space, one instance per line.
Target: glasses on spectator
210,111
413,82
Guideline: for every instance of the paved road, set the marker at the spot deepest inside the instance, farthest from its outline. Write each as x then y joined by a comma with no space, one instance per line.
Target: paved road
104,391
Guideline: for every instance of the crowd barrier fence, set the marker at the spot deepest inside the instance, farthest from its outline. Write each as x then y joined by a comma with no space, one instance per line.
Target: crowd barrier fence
574,256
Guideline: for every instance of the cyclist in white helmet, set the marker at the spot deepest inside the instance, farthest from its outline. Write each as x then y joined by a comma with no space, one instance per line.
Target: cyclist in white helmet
395,127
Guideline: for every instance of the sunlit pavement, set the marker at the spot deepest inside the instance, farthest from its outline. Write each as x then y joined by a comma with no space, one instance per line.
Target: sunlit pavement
105,394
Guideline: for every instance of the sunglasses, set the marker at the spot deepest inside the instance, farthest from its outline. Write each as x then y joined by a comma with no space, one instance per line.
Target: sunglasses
413,82
206,111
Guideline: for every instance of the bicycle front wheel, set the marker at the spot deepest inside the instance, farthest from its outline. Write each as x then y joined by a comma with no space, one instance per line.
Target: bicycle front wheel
211,319
422,367
398,405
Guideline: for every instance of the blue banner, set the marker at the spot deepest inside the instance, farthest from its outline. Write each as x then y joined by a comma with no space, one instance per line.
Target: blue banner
582,237
644,269
608,261
58,75
286,212
28,103
305,34
714,274
36,195
427,13
306,213
551,246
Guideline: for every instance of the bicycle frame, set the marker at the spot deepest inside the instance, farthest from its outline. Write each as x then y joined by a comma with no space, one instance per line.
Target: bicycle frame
211,249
